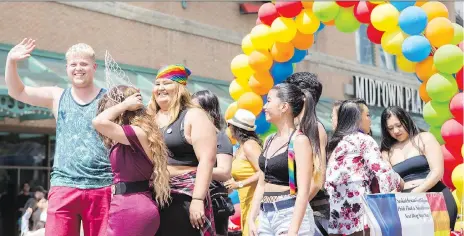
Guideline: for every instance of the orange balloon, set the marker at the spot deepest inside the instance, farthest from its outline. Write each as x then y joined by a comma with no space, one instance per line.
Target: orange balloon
435,9
307,4
252,102
303,41
260,60
425,69
439,31
328,23
229,134
261,82
420,3
230,112
282,52
423,93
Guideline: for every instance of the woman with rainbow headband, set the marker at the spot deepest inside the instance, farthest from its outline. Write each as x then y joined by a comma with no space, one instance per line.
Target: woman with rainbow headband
287,166
191,139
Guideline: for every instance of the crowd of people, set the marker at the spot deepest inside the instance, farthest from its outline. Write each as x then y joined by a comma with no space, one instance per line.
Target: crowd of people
166,169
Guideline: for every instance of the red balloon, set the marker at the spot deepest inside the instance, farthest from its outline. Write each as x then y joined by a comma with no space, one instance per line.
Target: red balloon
453,133
451,159
457,107
236,217
374,35
362,11
288,9
267,13
258,22
460,79
346,3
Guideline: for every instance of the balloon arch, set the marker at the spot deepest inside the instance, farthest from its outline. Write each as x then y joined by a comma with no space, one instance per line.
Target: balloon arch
420,34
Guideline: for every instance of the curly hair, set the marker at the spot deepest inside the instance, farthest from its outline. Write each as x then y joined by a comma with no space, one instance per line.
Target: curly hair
307,82
142,119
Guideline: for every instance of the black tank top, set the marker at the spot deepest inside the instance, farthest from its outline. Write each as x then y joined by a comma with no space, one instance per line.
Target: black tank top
275,168
413,168
181,152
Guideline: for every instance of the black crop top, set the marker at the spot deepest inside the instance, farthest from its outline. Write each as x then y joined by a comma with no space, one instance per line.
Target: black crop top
276,168
413,168
181,152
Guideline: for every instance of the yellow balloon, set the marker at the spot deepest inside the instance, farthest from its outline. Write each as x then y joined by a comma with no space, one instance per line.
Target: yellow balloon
262,37
458,177
385,17
247,45
237,89
230,112
240,67
458,198
229,134
405,64
462,151
392,41
307,22
459,225
376,2
283,29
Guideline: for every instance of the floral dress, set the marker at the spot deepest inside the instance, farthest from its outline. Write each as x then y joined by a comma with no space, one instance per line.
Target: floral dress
354,163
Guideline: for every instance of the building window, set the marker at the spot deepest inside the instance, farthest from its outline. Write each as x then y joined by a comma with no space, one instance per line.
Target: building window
364,47
388,60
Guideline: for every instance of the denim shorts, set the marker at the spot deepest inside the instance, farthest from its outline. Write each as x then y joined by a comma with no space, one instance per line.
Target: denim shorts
273,223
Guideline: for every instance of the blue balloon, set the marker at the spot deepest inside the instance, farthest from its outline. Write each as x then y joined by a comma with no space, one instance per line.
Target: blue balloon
416,48
401,5
234,197
413,20
321,27
298,55
261,124
280,71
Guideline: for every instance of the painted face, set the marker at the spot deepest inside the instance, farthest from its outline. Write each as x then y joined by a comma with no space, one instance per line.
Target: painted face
81,70
396,129
165,91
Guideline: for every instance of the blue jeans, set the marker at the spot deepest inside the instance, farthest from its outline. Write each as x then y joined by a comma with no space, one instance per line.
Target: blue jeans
273,223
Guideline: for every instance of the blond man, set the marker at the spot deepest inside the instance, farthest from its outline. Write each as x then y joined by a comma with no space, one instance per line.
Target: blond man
81,170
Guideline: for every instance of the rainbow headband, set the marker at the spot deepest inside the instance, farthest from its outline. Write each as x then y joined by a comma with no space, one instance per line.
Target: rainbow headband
177,73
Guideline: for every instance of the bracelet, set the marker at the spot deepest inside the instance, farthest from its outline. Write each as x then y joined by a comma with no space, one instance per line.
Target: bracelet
197,198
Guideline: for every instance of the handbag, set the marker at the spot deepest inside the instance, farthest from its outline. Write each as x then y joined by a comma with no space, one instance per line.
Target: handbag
222,204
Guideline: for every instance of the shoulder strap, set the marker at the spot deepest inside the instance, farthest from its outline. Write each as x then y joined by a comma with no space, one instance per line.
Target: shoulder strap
132,137
291,165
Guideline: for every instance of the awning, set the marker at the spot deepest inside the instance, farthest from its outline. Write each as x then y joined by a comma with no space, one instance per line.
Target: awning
48,69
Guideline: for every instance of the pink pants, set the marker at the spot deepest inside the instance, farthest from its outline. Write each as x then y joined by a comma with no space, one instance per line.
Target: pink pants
68,206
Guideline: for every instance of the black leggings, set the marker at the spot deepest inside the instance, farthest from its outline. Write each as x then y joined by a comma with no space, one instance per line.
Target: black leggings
451,206
174,219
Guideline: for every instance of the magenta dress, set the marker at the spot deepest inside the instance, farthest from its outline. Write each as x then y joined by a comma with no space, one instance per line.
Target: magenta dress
133,214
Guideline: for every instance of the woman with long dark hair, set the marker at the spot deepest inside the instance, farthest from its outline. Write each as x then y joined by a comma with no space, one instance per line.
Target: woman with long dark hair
354,161
221,171
415,155
245,164
289,162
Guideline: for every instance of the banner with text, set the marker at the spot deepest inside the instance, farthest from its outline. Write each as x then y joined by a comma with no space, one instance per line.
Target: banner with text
405,214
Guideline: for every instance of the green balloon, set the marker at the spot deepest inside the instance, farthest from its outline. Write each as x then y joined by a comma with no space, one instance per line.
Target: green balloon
458,34
441,87
448,59
346,21
270,131
436,131
436,113
325,11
